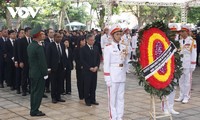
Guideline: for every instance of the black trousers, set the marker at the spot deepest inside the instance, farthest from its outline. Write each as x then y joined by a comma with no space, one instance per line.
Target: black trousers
68,80
47,83
57,78
2,71
80,83
18,77
10,74
25,78
90,84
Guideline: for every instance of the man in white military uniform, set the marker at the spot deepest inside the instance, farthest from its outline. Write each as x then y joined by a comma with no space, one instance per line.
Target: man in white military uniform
105,39
188,50
134,41
115,66
169,103
126,40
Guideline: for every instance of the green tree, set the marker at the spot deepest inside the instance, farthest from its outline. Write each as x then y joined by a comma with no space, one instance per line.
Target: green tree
193,15
147,14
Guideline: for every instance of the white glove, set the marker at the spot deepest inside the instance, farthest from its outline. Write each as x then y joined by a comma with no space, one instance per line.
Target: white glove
108,83
45,77
49,69
192,69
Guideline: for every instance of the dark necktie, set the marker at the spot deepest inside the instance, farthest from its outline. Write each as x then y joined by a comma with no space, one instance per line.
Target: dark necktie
29,40
91,48
183,41
59,52
43,44
118,47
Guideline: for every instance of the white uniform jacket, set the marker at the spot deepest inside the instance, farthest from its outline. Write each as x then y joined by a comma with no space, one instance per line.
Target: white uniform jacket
189,52
105,39
115,62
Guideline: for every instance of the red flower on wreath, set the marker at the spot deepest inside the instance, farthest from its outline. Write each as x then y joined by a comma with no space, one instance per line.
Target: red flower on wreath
153,43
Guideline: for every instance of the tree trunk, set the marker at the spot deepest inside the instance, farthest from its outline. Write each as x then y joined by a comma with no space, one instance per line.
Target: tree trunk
8,19
61,19
20,3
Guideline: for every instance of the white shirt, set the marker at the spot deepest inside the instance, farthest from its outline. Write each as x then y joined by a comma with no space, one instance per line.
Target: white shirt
51,39
4,39
67,52
28,39
90,46
12,41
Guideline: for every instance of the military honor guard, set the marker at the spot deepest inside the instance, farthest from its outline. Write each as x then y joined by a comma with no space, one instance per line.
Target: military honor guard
126,40
169,103
105,39
115,67
37,71
189,52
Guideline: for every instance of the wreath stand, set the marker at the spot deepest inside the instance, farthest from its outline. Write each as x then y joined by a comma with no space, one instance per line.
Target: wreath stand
153,114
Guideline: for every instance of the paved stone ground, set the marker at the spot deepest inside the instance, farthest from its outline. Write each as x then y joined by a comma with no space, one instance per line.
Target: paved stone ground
16,107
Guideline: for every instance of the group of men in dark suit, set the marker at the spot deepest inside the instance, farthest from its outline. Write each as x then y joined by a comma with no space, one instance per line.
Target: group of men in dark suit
59,51
14,63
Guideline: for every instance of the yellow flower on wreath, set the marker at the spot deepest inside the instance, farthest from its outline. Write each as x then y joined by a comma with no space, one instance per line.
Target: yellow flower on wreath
157,36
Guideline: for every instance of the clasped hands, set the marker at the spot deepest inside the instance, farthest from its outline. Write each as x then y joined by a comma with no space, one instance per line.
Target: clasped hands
93,69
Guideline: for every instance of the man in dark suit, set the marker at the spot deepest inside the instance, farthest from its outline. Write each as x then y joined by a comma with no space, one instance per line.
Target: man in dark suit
90,60
18,70
23,59
69,66
47,41
9,58
37,71
56,61
4,33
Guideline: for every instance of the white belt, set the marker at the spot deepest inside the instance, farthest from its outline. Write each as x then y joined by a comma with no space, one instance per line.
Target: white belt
117,65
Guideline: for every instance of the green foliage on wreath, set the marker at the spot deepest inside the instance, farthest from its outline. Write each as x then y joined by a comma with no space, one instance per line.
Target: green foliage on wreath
178,64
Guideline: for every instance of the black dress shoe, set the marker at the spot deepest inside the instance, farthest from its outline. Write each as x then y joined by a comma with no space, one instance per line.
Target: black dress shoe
69,93
23,93
63,93
12,88
18,92
38,114
95,103
88,104
1,86
45,96
54,101
61,100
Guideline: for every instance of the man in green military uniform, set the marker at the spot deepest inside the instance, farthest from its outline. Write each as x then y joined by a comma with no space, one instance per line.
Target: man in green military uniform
38,71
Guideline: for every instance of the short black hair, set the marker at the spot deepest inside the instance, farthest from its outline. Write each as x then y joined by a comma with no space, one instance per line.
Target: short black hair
27,29
89,35
10,31
49,30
